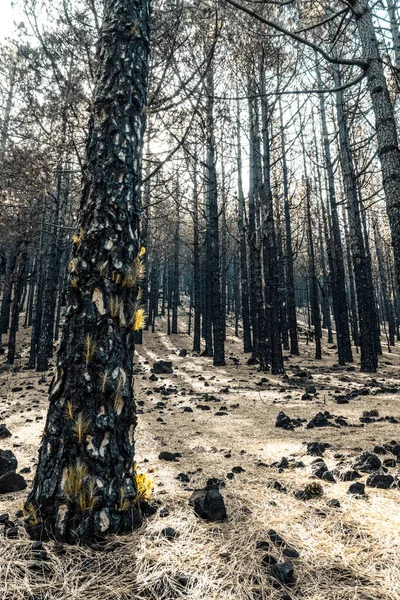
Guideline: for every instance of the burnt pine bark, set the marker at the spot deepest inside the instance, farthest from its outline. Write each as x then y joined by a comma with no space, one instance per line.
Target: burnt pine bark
85,485
385,122
244,276
196,260
257,313
290,290
364,290
271,272
337,272
16,305
213,254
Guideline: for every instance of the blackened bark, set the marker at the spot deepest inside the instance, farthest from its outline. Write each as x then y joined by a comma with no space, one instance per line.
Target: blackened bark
365,292
18,285
196,263
213,254
336,260
244,278
385,122
315,312
271,273
85,484
290,290
7,291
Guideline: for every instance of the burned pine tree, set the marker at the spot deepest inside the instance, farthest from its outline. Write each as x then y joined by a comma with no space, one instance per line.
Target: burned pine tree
85,484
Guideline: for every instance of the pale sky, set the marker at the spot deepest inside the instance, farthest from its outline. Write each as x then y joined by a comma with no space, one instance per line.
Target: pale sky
6,18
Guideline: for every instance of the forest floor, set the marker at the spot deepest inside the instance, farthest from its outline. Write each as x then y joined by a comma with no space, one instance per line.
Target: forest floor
347,549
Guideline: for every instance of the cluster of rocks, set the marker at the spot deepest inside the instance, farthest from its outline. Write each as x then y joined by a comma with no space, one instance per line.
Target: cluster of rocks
10,480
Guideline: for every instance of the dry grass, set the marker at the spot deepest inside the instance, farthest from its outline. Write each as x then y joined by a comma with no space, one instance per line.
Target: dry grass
346,553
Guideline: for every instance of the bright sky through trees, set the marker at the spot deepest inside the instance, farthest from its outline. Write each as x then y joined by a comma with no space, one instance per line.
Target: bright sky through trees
6,18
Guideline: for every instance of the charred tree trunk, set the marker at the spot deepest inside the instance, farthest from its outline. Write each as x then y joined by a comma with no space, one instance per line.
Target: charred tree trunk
365,292
290,290
18,285
244,276
213,254
385,122
271,272
85,485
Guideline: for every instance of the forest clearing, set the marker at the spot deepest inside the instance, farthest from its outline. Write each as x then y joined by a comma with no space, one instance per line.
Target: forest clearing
346,549
199,300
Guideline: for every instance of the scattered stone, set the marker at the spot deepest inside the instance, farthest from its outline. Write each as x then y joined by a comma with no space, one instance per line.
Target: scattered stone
12,482
380,480
284,572
291,553
169,456
153,377
210,505
311,389
162,367
263,545
183,477
320,420
357,488
8,462
183,352
285,422
238,470
4,432
367,462
316,448
341,400
350,475
371,413
333,503
275,537
164,512
170,533
12,533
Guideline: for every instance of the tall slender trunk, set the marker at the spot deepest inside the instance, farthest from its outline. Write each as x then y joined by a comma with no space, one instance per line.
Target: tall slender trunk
271,272
385,122
18,285
340,309
213,231
365,293
244,278
290,290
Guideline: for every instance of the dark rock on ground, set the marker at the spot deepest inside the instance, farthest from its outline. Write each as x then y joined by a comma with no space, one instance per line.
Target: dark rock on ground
183,352
333,503
12,482
163,367
291,553
210,505
356,488
316,448
285,422
170,533
380,480
320,420
4,432
275,537
349,475
367,462
169,456
8,462
284,572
